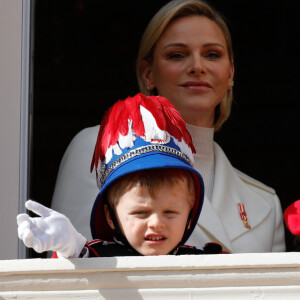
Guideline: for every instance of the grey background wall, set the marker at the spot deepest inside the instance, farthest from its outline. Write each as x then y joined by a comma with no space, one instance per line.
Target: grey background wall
85,60
10,102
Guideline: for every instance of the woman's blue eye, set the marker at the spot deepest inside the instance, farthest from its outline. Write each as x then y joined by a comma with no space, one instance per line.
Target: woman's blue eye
176,55
213,55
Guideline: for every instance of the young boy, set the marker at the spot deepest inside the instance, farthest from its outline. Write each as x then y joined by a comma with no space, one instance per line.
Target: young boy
148,212
150,195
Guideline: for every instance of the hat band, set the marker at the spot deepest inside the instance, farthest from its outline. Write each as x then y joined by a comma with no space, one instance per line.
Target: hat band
140,151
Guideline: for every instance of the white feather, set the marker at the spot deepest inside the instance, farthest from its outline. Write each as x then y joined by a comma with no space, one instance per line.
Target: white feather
184,148
152,132
124,141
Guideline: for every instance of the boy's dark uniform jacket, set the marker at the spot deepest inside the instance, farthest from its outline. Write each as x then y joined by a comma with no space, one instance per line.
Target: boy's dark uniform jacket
100,248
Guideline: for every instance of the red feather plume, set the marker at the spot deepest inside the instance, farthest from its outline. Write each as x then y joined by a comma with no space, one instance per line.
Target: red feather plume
116,118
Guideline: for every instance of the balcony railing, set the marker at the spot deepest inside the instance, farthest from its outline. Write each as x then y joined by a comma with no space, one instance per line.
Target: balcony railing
226,276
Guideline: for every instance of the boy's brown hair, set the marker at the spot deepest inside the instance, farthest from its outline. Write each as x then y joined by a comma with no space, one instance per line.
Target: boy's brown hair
151,180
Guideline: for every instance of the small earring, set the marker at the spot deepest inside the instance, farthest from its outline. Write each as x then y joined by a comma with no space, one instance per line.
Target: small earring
148,88
230,84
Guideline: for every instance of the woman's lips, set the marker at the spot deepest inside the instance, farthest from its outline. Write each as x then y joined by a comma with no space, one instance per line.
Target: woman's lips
196,85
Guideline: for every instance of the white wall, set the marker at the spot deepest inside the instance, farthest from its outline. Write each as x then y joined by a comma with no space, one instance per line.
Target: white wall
10,104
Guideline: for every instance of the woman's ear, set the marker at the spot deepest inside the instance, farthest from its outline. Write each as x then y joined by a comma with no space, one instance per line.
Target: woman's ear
108,218
231,75
146,71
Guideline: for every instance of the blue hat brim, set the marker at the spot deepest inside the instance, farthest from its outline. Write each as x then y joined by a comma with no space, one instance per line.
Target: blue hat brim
152,160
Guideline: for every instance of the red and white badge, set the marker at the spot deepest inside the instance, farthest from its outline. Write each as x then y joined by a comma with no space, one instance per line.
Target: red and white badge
243,215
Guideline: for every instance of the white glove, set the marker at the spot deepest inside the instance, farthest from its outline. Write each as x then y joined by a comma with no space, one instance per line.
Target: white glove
52,231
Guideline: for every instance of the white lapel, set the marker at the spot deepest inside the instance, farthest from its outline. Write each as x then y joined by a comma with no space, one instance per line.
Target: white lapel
229,190
210,222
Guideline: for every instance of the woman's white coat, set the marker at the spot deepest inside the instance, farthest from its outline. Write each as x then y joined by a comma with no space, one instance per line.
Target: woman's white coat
76,190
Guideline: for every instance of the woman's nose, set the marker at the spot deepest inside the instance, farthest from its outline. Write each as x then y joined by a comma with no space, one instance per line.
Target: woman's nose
196,66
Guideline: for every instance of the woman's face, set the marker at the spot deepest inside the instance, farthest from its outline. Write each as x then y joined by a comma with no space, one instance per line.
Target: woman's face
191,68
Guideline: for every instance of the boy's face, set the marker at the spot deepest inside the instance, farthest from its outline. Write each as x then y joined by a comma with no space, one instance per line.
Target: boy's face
154,226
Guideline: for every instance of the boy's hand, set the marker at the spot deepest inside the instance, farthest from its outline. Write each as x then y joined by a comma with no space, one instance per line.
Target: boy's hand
52,231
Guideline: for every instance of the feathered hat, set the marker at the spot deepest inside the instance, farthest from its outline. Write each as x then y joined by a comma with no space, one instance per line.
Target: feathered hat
140,133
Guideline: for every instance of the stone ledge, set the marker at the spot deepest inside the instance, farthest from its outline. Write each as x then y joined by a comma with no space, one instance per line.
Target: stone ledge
160,277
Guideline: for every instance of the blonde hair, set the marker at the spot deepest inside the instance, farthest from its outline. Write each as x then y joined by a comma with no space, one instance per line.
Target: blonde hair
173,10
151,180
